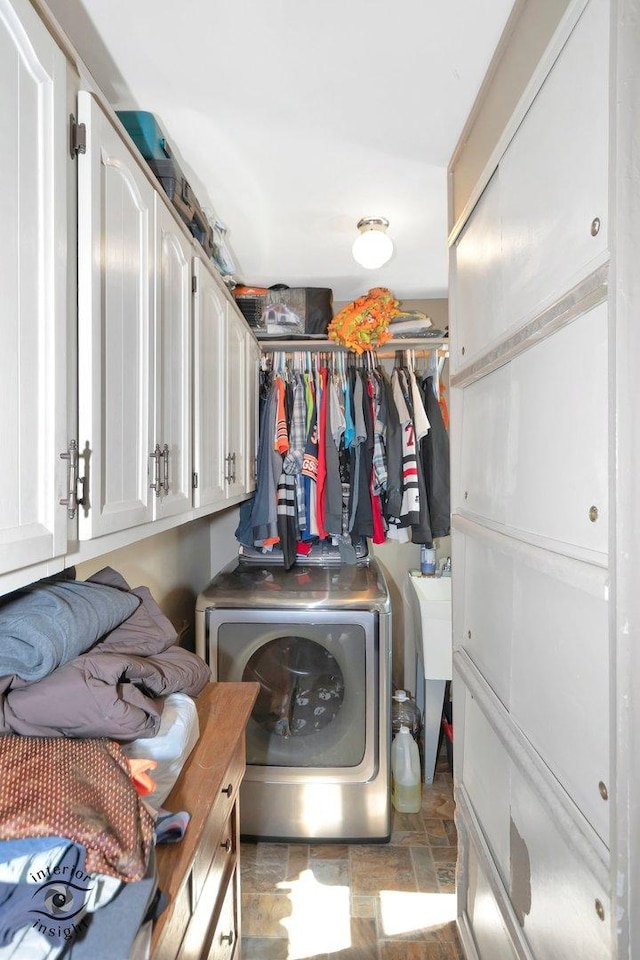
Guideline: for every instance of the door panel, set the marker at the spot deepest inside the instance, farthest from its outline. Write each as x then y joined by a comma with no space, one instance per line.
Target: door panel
33,250
236,389
554,175
491,939
173,364
478,294
540,418
115,214
209,389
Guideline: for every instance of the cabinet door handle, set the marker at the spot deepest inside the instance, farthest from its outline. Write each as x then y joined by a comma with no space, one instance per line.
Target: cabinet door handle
226,938
226,845
156,456
71,499
165,455
228,789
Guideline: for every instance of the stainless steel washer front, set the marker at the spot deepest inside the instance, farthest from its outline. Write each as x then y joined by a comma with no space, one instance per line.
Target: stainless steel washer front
317,639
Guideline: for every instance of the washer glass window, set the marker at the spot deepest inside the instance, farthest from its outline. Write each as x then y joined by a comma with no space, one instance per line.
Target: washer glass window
311,709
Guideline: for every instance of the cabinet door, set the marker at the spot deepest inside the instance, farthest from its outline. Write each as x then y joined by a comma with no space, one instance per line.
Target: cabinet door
209,389
236,390
33,251
253,355
115,263
172,447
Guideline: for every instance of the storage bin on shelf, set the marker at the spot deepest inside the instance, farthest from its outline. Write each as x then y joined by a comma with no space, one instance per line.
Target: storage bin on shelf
146,133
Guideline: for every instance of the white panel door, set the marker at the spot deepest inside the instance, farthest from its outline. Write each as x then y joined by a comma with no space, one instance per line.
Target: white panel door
486,773
534,456
552,888
490,936
172,447
236,388
209,407
554,175
115,266
486,585
33,253
478,293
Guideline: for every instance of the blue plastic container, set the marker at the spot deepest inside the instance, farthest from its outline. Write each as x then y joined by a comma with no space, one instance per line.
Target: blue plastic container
144,130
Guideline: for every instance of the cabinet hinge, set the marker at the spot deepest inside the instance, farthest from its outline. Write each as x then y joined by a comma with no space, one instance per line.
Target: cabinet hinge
77,137
194,284
194,481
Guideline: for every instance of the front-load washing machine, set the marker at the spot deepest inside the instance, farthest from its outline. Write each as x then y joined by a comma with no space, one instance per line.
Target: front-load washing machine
317,638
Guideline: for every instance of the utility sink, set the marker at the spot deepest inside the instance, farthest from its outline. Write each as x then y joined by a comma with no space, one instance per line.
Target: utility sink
430,599
431,604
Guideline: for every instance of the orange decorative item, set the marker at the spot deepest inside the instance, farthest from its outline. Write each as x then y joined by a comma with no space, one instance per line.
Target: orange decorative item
362,325
141,780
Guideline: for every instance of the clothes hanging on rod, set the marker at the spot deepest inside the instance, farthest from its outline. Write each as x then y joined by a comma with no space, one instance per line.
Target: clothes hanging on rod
347,451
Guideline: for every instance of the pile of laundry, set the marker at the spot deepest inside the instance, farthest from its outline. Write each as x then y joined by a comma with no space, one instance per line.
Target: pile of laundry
85,671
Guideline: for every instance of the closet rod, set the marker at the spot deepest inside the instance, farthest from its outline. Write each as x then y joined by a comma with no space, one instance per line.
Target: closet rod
387,349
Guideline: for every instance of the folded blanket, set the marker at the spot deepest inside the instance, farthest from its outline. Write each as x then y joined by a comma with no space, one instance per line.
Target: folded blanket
102,695
50,623
147,631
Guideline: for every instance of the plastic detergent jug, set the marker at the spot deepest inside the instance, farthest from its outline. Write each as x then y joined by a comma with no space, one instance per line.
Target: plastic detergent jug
405,711
406,786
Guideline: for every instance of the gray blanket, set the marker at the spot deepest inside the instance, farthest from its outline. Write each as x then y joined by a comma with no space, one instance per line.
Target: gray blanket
101,694
50,623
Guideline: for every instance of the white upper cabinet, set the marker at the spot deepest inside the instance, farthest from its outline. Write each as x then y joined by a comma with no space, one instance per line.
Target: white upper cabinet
115,281
209,388
226,358
172,447
236,399
33,250
253,354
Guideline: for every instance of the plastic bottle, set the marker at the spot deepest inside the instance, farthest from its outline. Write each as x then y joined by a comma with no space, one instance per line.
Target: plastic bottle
427,561
404,711
406,786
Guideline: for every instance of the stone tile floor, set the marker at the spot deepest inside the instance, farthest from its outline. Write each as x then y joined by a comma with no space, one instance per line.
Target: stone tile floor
391,901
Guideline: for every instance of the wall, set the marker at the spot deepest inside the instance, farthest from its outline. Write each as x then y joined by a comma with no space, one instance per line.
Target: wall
175,565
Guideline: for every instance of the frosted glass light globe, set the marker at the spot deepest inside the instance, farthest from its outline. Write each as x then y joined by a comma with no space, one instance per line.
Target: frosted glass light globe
372,247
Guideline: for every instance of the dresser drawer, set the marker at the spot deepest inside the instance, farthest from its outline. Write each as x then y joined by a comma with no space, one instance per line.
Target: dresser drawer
177,922
200,875
224,945
219,840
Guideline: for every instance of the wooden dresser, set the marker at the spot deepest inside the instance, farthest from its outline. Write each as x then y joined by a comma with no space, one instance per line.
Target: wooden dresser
201,874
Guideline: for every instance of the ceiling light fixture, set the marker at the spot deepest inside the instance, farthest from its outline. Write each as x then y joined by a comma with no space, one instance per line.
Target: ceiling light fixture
372,247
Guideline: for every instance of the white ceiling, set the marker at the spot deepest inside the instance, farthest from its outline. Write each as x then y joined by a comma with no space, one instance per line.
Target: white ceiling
295,118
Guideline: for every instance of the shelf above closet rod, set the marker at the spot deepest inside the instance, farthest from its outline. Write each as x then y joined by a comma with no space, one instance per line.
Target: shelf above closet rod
321,346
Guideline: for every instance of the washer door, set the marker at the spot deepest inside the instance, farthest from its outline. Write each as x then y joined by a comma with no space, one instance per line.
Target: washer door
318,703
